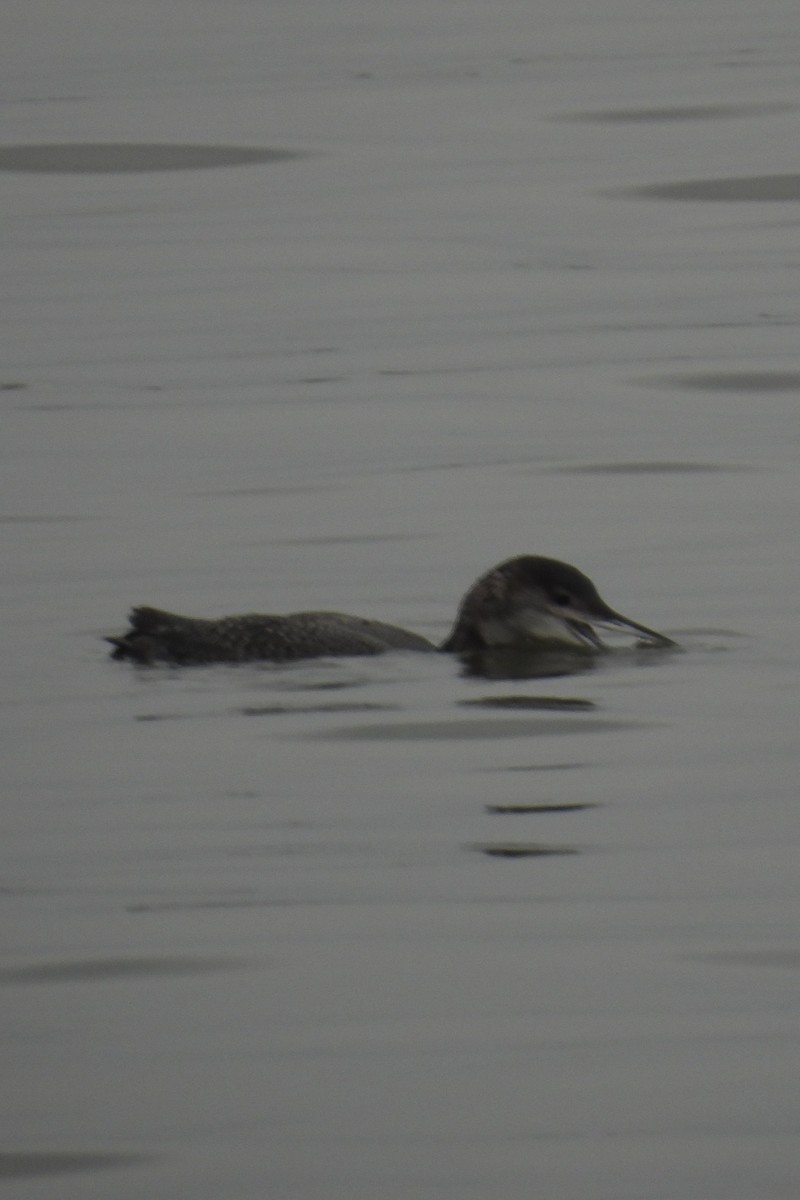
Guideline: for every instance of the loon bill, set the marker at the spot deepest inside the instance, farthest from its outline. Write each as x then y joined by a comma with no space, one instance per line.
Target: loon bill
524,603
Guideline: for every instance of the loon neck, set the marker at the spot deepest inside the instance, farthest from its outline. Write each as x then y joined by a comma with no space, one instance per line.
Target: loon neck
529,628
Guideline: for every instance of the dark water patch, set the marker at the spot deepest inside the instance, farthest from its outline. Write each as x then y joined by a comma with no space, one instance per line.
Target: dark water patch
648,468
65,406
113,158
281,710
268,490
455,369
466,464
756,958
302,849
543,767
99,969
418,731
672,112
768,189
213,904
270,710
13,386
527,809
155,717
312,379
727,381
513,663
547,703
317,685
25,1164
759,320
522,849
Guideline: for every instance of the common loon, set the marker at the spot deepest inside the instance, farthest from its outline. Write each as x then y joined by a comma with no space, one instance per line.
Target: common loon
523,603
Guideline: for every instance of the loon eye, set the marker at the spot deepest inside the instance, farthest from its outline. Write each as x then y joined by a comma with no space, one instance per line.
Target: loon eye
563,599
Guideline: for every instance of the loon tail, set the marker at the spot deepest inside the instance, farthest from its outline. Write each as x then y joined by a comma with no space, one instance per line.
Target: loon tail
140,642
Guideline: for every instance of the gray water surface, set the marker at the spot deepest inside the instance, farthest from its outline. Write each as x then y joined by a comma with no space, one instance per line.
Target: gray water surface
465,281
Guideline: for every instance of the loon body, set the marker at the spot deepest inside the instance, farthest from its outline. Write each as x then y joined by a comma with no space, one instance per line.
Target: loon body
156,636
525,603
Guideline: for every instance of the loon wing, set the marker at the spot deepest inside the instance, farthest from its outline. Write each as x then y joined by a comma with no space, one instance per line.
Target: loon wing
158,636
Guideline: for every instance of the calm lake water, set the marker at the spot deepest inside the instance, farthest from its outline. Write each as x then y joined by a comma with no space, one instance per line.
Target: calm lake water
337,305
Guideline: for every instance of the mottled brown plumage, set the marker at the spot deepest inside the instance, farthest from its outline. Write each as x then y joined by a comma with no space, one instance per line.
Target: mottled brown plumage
156,636
524,603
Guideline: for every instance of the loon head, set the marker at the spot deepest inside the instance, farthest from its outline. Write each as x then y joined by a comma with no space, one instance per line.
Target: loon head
532,600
